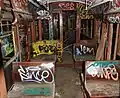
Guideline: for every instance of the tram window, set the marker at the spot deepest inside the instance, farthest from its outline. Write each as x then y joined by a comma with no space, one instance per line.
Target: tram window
86,29
36,30
9,25
6,39
45,29
5,27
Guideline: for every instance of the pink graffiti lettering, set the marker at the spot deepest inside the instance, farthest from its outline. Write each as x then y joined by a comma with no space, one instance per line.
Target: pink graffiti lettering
117,2
69,6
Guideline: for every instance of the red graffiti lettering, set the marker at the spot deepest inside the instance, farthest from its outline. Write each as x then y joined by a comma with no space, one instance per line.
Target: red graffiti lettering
117,3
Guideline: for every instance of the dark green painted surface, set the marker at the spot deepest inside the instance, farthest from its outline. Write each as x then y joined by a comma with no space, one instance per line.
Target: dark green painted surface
38,91
85,57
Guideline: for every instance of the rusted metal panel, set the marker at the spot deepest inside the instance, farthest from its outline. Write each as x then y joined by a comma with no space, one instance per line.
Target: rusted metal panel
102,6
102,78
33,31
20,10
3,91
1,5
33,79
40,29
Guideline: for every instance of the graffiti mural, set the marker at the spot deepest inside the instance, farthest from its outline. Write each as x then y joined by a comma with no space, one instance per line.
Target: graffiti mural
48,47
67,5
114,18
7,46
102,70
117,3
34,72
84,50
37,78
82,12
102,78
20,5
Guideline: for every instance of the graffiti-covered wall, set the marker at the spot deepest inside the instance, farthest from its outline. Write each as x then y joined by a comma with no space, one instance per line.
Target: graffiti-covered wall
48,47
7,45
36,78
103,75
84,50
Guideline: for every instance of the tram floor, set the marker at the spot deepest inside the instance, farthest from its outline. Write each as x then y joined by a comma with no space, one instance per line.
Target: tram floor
67,83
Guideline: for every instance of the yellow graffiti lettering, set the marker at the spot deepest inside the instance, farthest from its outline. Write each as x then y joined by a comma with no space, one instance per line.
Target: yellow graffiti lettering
48,47
83,14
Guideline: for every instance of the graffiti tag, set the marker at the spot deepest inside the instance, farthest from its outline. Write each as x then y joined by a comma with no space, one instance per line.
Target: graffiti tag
67,6
117,3
7,46
48,47
83,13
36,74
83,50
114,19
108,71
20,4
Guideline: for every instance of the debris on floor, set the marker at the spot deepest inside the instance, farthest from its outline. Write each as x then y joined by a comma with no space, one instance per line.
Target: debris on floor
68,83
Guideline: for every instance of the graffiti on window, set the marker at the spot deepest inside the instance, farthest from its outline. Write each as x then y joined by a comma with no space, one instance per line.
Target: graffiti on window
7,46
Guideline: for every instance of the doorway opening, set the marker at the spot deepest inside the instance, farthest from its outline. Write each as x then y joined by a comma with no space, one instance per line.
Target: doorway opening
69,25
69,35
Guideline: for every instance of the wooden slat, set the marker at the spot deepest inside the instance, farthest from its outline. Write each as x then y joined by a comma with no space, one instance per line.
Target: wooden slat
116,42
110,42
101,46
61,26
3,91
78,28
33,31
95,35
40,29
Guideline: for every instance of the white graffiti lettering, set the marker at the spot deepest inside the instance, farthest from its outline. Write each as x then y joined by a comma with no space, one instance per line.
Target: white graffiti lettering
33,74
114,19
107,72
83,50
78,52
